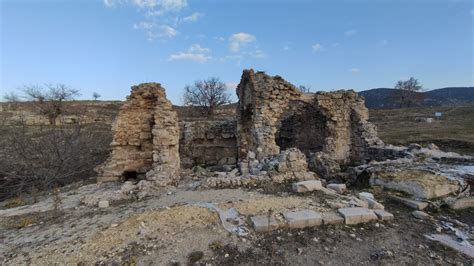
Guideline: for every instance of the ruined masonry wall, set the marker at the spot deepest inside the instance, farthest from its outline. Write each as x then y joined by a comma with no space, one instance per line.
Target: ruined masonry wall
146,137
273,113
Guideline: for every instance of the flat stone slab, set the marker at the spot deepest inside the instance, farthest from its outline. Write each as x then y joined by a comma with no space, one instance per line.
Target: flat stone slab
383,215
307,186
357,215
303,218
448,241
264,223
339,188
371,202
332,218
418,205
103,204
462,203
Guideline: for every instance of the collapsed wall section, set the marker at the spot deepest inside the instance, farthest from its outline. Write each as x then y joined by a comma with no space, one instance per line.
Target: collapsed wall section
145,138
273,115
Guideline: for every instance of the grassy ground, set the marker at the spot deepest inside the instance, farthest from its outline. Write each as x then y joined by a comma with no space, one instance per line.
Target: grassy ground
453,132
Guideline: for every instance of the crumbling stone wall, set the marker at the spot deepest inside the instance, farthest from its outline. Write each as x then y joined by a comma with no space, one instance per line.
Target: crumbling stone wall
146,138
273,115
207,139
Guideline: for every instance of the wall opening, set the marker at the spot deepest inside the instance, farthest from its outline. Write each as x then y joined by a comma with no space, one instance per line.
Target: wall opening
304,129
130,176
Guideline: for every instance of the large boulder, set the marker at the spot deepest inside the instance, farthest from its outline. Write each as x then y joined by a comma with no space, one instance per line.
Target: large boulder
421,184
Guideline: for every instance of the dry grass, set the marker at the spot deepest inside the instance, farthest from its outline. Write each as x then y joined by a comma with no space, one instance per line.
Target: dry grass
454,132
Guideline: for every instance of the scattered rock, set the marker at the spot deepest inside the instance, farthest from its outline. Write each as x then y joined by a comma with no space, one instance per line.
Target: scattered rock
371,202
462,203
339,188
383,215
332,218
419,205
307,186
303,218
420,214
422,184
448,241
357,215
264,223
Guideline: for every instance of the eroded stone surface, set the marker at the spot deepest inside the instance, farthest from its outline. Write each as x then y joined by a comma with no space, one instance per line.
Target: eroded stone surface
357,215
415,204
383,215
264,223
307,186
339,188
332,218
146,138
303,218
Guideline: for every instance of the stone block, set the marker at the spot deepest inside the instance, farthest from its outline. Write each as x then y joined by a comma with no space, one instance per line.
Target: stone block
264,223
415,204
339,188
383,215
371,202
103,204
357,215
462,203
307,186
303,218
332,218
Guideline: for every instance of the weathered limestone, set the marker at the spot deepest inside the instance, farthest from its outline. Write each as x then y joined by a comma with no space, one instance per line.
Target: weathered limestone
369,198
339,188
418,183
383,215
264,223
273,115
307,186
332,218
103,204
146,138
415,204
303,218
357,215
462,203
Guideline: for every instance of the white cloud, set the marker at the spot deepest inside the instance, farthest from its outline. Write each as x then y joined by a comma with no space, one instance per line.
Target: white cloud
194,53
317,47
236,41
350,33
167,31
286,48
174,5
193,17
109,3
200,58
354,70
144,25
198,49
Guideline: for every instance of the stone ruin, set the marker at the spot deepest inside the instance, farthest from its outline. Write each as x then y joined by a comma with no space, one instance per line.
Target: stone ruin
151,137
146,139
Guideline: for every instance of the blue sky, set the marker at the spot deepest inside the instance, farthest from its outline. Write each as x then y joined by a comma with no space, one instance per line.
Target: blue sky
109,45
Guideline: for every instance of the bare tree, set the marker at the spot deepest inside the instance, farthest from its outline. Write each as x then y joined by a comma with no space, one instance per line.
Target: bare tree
13,99
408,92
304,89
96,96
45,157
209,93
49,99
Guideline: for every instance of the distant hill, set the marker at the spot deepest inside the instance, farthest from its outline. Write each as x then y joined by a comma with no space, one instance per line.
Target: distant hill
451,96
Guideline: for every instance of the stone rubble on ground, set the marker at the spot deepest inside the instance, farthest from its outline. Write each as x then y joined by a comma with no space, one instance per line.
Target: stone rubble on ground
357,215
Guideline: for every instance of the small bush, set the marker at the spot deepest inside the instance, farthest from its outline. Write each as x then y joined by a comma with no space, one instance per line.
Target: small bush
24,222
15,202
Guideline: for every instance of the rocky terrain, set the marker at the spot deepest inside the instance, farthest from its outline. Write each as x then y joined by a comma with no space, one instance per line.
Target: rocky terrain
285,177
